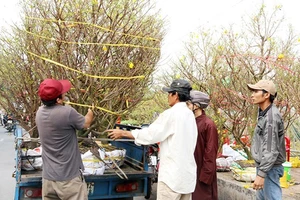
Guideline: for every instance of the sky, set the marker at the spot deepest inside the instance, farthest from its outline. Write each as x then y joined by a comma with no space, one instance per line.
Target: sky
9,12
191,15
184,17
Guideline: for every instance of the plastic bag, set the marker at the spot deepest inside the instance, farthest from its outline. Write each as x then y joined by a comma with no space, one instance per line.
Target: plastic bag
92,165
116,155
228,151
32,159
223,165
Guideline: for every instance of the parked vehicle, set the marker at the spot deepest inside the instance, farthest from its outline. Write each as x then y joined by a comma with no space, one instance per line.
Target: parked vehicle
153,158
10,125
153,161
107,186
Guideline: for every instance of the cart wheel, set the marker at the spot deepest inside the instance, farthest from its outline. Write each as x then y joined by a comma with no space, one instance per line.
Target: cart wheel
149,188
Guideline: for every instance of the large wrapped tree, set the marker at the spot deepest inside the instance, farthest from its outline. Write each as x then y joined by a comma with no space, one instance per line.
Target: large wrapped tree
108,49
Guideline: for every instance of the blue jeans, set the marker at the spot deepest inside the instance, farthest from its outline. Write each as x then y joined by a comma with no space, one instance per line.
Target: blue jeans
272,189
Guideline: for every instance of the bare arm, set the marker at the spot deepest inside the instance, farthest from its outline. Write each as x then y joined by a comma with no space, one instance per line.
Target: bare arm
88,118
118,133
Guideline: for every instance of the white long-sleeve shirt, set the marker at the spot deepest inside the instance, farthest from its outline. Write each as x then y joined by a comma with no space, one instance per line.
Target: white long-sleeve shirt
176,131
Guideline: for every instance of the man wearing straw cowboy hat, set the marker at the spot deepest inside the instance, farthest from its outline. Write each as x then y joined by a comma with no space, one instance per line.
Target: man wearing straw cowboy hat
268,143
57,125
176,131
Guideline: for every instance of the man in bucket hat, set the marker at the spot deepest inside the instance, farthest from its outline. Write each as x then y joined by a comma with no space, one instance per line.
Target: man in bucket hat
176,131
206,148
268,142
57,125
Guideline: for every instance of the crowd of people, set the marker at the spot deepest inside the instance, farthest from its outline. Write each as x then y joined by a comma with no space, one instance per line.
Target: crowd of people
187,137
196,179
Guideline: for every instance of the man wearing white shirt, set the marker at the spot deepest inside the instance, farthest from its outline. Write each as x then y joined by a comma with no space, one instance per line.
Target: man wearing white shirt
176,131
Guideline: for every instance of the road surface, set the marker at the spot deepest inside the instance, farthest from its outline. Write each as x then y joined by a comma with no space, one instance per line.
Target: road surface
7,163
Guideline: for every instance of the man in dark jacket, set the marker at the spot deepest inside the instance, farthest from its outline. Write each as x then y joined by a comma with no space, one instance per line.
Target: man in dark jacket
268,143
206,149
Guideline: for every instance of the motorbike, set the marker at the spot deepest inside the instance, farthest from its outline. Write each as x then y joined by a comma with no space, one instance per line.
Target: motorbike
153,161
10,125
153,158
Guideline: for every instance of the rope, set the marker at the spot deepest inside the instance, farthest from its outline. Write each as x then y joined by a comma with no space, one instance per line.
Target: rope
89,75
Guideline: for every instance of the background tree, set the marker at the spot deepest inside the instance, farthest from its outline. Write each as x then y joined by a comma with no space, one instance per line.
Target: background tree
108,49
146,111
222,64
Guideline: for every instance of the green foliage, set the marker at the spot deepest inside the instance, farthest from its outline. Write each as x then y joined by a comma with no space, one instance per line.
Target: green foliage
153,103
131,122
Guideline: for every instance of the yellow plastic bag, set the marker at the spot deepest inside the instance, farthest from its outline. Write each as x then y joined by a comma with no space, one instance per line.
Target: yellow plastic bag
295,162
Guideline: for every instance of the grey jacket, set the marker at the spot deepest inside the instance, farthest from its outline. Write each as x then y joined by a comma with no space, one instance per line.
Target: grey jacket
268,143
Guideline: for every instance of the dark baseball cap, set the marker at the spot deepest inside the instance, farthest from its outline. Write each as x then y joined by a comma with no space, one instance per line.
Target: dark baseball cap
50,89
178,85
